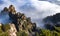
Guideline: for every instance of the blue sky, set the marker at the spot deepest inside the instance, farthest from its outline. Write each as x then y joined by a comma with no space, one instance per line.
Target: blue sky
36,9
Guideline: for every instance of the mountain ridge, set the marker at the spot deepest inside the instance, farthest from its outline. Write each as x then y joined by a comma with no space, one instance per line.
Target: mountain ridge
21,25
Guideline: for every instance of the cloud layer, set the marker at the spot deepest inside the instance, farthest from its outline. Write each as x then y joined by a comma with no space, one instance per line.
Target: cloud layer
36,9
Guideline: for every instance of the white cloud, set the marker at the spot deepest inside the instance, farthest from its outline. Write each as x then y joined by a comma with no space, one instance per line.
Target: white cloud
42,8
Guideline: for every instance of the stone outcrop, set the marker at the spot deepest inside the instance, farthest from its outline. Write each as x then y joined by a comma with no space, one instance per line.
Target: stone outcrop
19,22
12,31
12,9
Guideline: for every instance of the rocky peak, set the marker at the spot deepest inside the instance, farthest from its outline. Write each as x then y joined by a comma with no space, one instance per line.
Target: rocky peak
12,31
5,9
19,22
12,8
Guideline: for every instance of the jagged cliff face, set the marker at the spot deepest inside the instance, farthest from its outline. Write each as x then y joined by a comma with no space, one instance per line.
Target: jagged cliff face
12,31
19,22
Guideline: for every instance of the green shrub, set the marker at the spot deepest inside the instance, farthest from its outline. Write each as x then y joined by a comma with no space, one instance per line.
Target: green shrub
5,27
4,34
22,33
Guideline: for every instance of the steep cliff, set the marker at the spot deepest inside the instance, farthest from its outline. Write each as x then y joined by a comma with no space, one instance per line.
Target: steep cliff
19,22
19,25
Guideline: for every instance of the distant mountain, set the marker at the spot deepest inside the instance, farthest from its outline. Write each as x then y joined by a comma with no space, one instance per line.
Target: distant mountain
52,21
55,19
